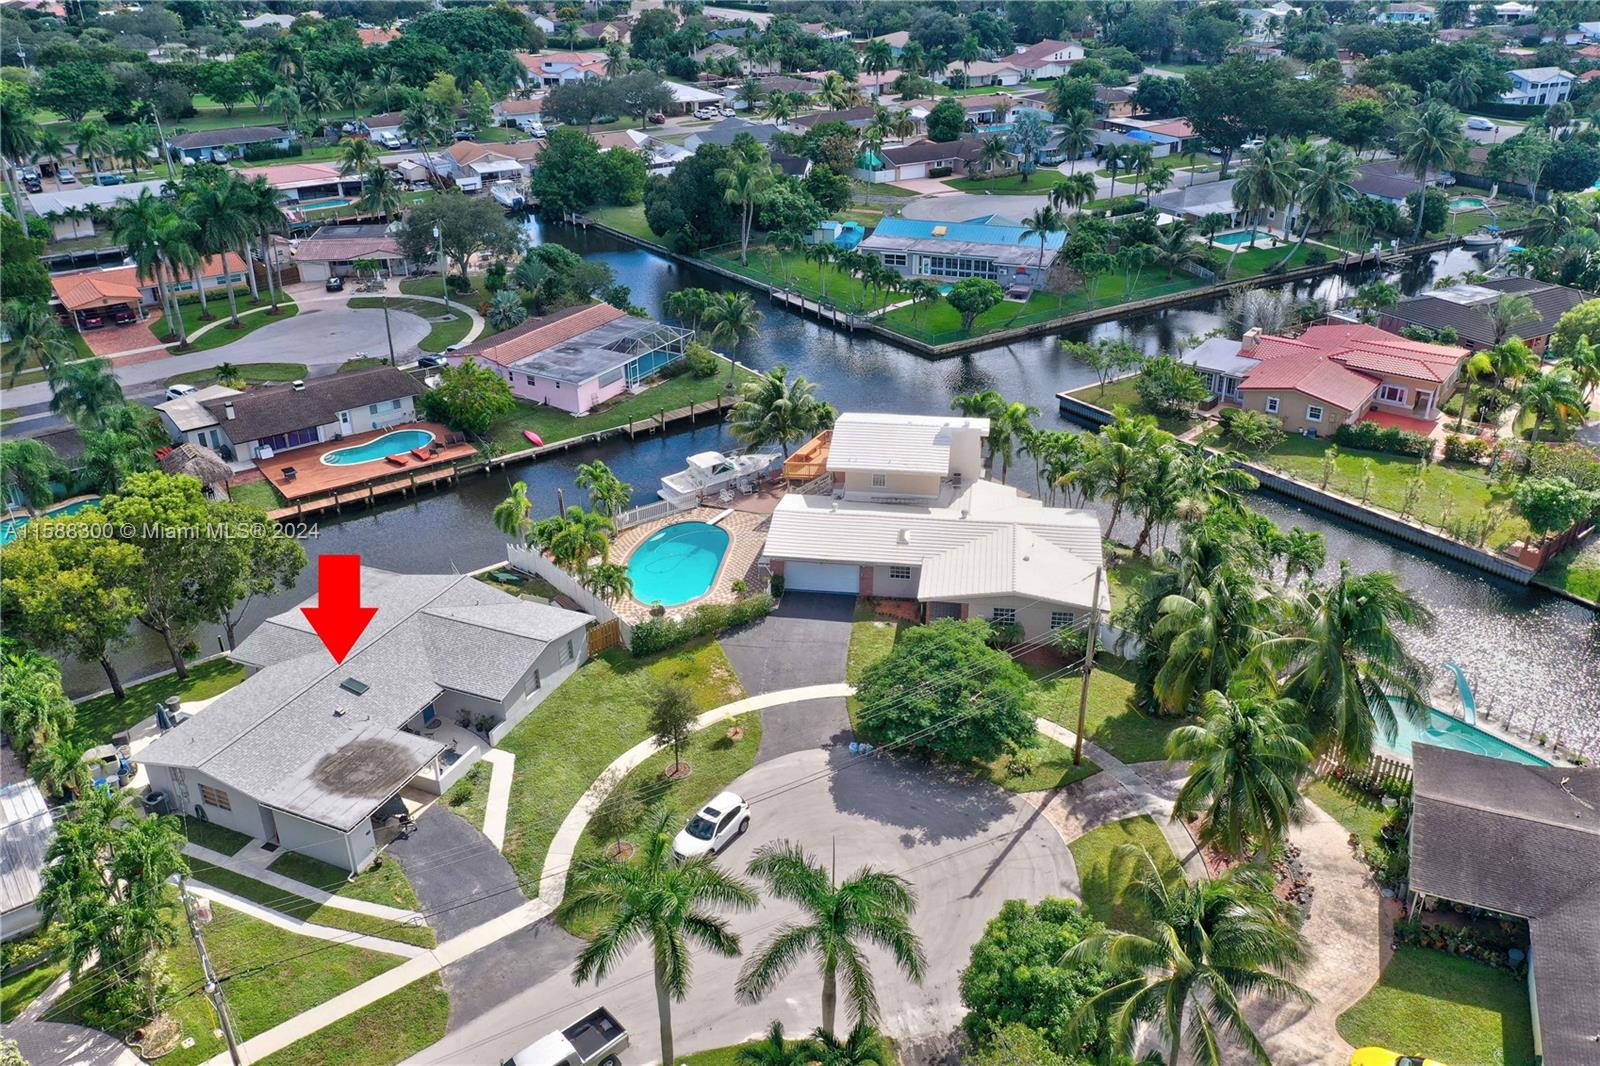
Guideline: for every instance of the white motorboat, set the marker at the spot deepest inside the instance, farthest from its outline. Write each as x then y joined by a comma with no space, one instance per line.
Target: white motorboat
709,473
508,195
1480,240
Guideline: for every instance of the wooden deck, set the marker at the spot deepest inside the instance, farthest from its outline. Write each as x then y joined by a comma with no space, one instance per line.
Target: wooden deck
313,478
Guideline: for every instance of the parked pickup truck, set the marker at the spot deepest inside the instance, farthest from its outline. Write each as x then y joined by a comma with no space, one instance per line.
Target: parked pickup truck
593,1040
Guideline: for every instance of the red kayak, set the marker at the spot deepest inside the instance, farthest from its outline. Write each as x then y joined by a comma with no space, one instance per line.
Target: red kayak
534,437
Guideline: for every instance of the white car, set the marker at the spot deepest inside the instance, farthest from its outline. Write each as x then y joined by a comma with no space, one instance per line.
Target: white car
537,130
1477,123
705,112
174,391
713,828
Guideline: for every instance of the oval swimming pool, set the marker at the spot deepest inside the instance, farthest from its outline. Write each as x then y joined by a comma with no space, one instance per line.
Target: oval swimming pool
12,526
388,444
677,563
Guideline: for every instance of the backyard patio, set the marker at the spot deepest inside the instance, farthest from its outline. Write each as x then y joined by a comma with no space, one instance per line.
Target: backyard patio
302,473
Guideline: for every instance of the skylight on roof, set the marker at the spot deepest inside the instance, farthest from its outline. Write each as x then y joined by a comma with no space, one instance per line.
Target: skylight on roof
940,231
353,686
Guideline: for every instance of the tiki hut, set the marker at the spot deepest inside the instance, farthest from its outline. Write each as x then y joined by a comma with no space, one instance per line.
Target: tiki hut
200,463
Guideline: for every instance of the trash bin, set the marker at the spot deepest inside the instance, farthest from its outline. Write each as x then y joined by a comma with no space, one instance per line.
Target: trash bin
155,801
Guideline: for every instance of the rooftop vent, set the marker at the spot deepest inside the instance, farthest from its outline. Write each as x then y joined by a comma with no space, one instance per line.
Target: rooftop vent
905,536
353,686
298,384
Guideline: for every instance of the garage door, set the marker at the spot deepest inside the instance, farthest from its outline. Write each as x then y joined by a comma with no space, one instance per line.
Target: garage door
913,170
822,577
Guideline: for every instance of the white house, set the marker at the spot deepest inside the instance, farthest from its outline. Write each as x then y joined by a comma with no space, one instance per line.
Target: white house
1513,11
1405,14
1538,86
312,754
524,114
912,517
264,422
219,146
1047,59
188,420
26,826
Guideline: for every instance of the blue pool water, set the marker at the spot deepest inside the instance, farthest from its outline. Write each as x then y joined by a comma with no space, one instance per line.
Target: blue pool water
1466,203
329,201
1241,237
1446,732
388,444
12,526
677,563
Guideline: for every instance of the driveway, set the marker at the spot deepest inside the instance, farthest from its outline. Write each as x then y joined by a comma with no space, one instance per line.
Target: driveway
804,642
449,861
965,845
55,1044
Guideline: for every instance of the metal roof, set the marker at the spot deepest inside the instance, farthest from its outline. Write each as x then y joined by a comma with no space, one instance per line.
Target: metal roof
1220,355
26,827
917,444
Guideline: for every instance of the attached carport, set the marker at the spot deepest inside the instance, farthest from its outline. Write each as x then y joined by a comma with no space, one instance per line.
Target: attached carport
844,578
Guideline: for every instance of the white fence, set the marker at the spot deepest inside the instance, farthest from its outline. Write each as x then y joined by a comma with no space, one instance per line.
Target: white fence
537,563
647,512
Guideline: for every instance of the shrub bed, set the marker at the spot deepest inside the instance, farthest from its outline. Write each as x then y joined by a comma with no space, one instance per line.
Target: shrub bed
708,619
1375,438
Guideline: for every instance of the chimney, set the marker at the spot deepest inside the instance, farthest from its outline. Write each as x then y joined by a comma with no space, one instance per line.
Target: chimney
1252,337
227,410
298,385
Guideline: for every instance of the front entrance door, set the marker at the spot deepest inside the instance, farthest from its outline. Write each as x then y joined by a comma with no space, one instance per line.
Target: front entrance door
269,826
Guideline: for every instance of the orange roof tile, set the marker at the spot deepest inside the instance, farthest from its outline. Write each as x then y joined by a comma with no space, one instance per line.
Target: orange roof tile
98,288
538,334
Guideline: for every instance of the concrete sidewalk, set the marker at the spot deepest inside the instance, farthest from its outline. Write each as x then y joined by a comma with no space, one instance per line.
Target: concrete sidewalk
299,888
501,764
299,927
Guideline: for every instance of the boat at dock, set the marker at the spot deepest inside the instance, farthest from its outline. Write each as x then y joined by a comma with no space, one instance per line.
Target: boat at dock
712,473
508,196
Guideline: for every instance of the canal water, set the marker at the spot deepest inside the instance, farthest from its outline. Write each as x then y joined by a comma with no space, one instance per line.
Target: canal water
1524,651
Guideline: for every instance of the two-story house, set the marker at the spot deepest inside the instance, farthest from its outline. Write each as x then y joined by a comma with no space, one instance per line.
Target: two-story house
1047,59
1537,86
911,516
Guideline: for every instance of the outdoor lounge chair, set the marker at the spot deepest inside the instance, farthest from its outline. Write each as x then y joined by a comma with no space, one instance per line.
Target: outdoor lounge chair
420,454
397,460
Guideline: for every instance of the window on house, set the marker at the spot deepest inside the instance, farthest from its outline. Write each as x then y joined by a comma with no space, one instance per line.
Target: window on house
215,797
1005,616
1272,405
1060,619
1392,393
536,681
900,573
532,380
1313,413
880,481
567,653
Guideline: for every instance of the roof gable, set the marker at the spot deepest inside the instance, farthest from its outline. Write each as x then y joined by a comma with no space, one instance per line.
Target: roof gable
539,334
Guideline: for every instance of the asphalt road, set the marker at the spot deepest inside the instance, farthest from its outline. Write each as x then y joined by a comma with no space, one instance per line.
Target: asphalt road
965,845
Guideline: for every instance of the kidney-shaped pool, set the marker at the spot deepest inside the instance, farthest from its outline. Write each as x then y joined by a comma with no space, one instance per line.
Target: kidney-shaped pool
677,563
395,443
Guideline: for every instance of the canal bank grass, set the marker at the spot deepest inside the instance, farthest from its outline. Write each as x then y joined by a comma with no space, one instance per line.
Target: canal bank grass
1104,876
306,910
629,220
305,972
250,373
1123,393
1452,1008
594,716
98,719
791,270
448,326
219,335
409,1020
384,882
553,424
1576,570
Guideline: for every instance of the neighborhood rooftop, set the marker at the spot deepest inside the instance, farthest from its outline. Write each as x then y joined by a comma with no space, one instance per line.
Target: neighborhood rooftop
909,443
278,409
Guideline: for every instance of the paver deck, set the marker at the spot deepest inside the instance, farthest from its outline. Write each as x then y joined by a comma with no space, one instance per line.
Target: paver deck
313,477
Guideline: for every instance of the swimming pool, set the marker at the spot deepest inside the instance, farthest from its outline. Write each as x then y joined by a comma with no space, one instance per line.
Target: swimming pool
677,563
12,526
1446,732
1466,203
1241,237
388,444
325,202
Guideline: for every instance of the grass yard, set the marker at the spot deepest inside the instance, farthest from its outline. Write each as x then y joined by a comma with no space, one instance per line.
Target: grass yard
423,1007
383,883
791,270
628,220
30,371
452,328
1576,570
728,1056
1250,262
257,494
101,717
716,758
469,797
871,638
1128,572
252,373
553,424
1039,183
1111,722
1445,1007
1103,875
19,991
432,285
580,729
361,362
311,972
219,335
213,837
1123,393
307,910
1360,813
1462,490
1051,768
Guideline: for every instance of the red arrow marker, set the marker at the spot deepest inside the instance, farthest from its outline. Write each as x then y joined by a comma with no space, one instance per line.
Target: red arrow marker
338,618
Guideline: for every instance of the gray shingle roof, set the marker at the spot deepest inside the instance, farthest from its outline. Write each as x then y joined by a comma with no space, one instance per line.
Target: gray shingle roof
1465,308
289,735
1524,840
232,135
281,408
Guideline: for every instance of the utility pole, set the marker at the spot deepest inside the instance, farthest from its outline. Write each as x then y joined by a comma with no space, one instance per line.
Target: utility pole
213,986
444,268
1088,668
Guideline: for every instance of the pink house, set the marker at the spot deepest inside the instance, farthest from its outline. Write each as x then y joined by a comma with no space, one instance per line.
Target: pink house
579,357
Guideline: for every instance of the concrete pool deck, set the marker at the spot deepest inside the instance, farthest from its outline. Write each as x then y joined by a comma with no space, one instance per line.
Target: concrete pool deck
747,533
313,477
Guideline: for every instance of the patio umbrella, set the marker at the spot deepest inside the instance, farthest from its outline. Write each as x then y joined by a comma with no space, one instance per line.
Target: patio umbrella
200,463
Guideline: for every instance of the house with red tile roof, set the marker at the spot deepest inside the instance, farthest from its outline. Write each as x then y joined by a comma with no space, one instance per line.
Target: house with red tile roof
90,299
376,35
1047,59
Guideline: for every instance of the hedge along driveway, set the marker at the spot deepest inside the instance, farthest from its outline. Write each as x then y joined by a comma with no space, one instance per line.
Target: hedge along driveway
597,714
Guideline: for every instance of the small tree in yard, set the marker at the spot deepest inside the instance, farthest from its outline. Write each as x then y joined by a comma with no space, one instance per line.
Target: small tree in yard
1553,504
971,297
617,814
672,716
946,675
1169,387
1106,358
469,398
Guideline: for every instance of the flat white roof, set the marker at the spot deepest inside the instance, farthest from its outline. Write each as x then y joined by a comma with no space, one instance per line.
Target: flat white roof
89,195
914,444
688,94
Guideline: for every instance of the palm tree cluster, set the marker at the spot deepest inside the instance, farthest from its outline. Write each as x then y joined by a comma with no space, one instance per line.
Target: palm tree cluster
778,409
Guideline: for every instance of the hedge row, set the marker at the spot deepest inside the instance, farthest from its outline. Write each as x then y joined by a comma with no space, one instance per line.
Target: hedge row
708,619
1375,438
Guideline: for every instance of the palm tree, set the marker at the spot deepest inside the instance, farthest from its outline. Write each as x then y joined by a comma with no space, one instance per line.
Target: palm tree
1478,365
992,153
1009,425
968,51
1124,447
744,183
876,59
776,409
821,253
506,310
608,494
1512,361
59,767
137,224
1266,182
1114,157
1325,191
774,1050
871,907
1464,89
513,515
1553,397
1042,224
1213,221
616,59
85,391
134,141
1343,661
1176,247
864,1046
221,212
732,318
381,193
27,467
609,581
37,339
349,90
1212,943
1245,770
1157,493
425,123
94,142
576,537
1076,130
1139,157
1508,311
286,101
20,137
1207,636
317,97
1583,362
780,107
1430,140
356,155
1073,191
654,897
836,91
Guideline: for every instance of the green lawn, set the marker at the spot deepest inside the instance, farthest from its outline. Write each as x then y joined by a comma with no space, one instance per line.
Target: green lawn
1250,262
308,972
1445,1007
1577,570
553,424
1103,876
469,797
383,883
253,373
580,729
306,910
99,718
1123,393
1052,769
422,1008
31,372
257,494
432,285
1125,732
452,326
17,992
1128,572
361,362
728,1056
628,219
716,760
1121,204
871,638
791,270
219,335
1359,812
1467,489
213,837
1039,183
